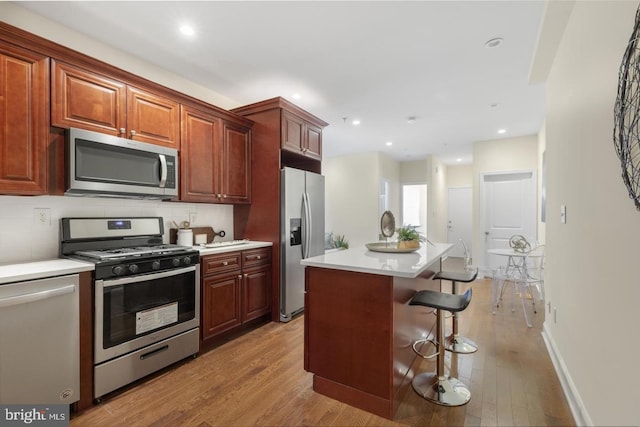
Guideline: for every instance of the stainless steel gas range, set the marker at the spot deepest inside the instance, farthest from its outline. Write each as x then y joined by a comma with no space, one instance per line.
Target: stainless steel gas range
147,296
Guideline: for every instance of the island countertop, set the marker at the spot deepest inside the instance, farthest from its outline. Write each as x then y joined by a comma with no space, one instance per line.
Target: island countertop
362,260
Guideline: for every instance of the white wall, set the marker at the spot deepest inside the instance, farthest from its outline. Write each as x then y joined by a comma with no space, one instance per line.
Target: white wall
22,238
502,155
437,205
351,195
591,275
460,176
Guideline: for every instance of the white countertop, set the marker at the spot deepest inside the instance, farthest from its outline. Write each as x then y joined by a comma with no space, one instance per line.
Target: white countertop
232,248
363,260
41,269
59,267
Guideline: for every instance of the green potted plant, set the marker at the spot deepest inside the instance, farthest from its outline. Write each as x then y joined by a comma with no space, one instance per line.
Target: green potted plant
339,241
408,237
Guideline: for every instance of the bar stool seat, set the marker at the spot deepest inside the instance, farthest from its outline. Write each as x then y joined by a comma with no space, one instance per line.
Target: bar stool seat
455,342
437,386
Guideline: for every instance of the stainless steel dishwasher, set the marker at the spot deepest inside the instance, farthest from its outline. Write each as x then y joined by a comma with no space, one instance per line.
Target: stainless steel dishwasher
39,341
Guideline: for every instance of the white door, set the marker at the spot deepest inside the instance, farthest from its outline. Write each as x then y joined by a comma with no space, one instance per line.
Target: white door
508,207
459,222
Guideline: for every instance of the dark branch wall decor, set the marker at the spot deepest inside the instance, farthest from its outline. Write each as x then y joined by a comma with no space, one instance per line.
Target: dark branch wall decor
626,132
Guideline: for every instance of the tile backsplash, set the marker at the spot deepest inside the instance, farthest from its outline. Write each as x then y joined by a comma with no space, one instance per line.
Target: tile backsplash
30,226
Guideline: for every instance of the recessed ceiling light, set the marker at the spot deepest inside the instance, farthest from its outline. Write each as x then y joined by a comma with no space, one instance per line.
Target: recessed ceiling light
187,30
388,143
458,160
501,131
411,119
296,96
494,105
493,43
356,122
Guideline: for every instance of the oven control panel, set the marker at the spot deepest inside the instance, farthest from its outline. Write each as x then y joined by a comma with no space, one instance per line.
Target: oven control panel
143,265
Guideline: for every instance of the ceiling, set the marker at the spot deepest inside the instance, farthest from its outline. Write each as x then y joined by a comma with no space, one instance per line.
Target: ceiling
380,62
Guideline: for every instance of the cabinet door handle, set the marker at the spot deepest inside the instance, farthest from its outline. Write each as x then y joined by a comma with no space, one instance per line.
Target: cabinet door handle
225,263
258,257
224,196
219,196
246,275
123,131
133,132
239,276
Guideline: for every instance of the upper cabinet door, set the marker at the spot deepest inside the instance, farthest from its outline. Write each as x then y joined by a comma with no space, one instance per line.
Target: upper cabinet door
152,118
200,165
24,88
236,164
91,101
301,137
86,100
313,147
292,133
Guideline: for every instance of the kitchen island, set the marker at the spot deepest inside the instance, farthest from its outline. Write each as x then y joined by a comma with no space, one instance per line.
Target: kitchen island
359,328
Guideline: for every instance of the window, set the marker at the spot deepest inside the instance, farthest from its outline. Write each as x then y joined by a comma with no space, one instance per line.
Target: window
414,206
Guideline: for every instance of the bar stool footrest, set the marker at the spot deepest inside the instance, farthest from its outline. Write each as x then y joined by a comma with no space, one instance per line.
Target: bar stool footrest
425,340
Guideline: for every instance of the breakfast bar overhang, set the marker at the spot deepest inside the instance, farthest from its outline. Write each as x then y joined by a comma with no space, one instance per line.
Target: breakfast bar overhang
359,328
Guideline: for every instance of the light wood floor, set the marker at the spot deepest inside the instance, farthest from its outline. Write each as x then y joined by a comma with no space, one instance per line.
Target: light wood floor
258,379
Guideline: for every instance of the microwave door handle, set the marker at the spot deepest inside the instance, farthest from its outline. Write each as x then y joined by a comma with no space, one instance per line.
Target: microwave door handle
163,170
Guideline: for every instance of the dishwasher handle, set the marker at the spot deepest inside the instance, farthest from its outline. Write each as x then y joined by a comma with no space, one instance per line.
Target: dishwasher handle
36,296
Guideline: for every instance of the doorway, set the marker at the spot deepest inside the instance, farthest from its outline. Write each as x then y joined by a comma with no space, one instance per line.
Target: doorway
460,214
507,207
414,207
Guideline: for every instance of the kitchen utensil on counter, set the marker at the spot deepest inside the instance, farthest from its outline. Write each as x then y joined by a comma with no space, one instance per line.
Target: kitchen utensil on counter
185,237
220,233
197,231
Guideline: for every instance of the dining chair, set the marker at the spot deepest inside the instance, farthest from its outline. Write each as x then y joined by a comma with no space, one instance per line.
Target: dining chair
467,255
524,281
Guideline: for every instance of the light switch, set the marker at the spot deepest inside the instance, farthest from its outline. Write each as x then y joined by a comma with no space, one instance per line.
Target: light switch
563,214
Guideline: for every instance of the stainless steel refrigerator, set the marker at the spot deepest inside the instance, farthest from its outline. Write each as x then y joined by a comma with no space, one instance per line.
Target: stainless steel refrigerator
302,234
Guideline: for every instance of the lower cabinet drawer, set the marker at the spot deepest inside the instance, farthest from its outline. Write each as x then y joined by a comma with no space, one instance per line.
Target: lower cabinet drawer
256,257
223,263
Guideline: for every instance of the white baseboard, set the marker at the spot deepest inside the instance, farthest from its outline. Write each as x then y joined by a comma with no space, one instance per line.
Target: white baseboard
580,415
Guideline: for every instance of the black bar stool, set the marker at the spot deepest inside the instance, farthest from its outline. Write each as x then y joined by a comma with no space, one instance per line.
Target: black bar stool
437,386
455,342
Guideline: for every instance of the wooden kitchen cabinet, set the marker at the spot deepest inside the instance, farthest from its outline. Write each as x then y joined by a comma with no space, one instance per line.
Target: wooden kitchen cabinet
256,283
215,159
24,109
236,288
279,131
93,101
300,136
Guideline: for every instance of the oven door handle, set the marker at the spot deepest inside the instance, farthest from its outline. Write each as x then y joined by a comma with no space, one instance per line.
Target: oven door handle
145,277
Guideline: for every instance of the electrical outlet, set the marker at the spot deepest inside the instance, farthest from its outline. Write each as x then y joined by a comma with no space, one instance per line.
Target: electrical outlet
42,217
192,218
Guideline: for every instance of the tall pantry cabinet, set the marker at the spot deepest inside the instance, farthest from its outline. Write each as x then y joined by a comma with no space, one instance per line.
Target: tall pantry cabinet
283,135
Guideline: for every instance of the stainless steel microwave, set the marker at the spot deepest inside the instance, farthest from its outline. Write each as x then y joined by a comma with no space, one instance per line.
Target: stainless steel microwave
105,165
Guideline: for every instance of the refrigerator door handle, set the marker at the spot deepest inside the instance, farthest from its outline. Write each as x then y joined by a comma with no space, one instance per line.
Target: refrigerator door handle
306,225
